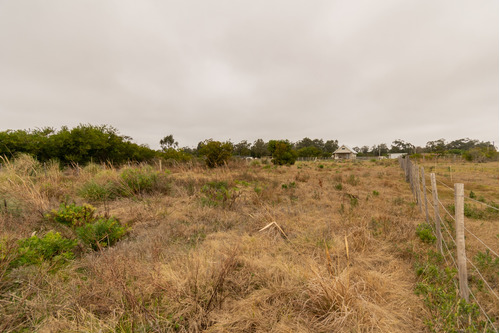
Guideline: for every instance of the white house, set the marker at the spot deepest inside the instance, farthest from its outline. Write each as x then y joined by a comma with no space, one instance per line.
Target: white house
344,153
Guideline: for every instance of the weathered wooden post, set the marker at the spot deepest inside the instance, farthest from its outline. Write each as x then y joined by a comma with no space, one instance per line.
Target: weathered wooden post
417,183
414,181
425,196
436,212
460,240
407,168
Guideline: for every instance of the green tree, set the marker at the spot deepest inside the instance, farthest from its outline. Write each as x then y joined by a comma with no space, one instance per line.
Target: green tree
310,151
259,149
216,153
168,142
401,146
331,146
242,148
282,152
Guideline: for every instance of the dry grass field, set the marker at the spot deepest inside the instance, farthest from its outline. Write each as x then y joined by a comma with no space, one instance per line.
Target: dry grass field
315,247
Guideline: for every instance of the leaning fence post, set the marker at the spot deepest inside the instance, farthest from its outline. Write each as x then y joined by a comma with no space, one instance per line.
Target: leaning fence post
460,240
436,212
425,196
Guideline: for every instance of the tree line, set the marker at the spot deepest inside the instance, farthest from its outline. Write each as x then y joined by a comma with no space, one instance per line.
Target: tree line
90,143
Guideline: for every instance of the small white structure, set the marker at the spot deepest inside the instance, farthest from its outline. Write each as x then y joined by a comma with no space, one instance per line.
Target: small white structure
396,155
344,153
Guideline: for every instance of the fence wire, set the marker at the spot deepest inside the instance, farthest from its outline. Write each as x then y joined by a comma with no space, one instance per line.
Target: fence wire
409,174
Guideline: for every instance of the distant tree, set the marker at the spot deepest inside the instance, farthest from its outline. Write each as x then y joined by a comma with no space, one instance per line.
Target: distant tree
401,146
168,142
331,146
282,152
242,148
310,151
436,146
305,142
259,149
380,150
365,150
216,153
81,144
481,154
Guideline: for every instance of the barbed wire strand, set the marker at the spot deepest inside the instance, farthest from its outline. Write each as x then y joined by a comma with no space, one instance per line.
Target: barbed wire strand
451,237
453,259
482,277
482,203
470,232
445,185
468,198
482,310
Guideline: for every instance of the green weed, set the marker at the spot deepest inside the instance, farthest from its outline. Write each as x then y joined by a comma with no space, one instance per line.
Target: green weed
51,248
72,215
218,194
425,233
102,233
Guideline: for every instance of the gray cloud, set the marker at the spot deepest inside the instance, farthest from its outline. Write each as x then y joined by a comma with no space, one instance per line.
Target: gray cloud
362,72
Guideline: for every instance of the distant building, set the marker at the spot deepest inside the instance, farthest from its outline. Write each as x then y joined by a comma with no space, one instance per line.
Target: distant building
344,153
397,155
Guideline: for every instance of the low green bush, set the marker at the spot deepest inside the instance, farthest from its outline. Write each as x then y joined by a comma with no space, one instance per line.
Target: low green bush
425,233
436,287
72,215
102,233
51,248
218,194
140,180
475,212
96,192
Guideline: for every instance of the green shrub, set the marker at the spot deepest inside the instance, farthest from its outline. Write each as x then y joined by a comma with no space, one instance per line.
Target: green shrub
102,233
139,180
376,193
486,262
72,215
338,187
218,194
282,152
94,191
216,153
474,212
51,248
437,289
425,233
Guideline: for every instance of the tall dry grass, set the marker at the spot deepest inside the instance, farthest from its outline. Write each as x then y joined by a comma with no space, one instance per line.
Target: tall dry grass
334,260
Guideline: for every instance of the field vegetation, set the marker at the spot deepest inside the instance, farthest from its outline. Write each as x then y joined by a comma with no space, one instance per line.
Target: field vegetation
245,247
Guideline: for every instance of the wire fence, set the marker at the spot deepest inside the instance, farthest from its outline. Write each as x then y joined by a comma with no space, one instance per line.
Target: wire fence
417,180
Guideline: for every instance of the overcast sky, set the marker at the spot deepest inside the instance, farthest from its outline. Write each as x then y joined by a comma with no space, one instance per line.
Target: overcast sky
361,72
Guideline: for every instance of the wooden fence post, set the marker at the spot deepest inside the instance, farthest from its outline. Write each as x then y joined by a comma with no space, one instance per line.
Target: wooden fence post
436,213
407,169
425,196
460,240
417,184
